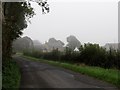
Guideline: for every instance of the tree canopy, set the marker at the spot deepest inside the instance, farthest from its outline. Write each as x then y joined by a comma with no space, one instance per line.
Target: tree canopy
15,19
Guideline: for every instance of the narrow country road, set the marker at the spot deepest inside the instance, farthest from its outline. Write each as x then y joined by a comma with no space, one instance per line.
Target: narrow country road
41,75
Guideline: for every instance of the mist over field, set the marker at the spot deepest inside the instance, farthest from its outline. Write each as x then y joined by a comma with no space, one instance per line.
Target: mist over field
95,22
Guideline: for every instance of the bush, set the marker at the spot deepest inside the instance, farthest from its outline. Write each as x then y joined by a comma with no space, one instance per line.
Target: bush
10,75
89,54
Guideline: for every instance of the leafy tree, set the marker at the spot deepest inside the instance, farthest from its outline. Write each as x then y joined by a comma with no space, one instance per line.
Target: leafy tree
13,24
89,54
67,54
73,42
21,44
15,19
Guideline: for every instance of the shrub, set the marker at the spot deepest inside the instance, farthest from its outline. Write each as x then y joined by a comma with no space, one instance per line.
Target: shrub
89,54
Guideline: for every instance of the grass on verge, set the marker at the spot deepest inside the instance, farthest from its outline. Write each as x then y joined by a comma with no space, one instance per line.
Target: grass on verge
109,75
10,75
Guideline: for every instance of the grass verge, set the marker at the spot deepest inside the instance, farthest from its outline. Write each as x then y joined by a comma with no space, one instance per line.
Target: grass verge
10,75
109,75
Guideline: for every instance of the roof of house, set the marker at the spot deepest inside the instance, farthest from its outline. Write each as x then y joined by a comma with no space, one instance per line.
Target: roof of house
76,49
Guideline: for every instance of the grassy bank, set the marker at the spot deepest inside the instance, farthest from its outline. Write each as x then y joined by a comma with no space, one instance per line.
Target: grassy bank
109,75
10,75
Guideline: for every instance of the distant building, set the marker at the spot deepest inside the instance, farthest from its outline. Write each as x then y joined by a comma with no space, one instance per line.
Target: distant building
45,50
111,45
76,49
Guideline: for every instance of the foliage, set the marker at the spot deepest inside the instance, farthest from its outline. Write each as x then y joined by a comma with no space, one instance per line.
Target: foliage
73,42
14,22
11,75
16,15
93,55
89,54
21,44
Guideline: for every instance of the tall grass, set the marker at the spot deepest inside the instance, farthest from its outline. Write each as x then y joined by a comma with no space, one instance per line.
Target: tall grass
10,75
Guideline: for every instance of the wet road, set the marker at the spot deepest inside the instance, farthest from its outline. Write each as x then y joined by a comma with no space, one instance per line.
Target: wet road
41,75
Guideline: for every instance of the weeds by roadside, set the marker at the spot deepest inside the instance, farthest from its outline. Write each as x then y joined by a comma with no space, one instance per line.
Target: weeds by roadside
10,75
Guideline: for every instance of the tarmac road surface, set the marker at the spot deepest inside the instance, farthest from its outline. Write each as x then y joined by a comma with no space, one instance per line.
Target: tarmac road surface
41,75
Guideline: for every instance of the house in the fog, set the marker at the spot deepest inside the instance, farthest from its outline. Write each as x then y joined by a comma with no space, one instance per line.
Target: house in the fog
45,50
111,45
76,49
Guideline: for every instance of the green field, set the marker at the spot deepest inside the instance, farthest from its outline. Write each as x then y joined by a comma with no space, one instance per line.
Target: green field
108,75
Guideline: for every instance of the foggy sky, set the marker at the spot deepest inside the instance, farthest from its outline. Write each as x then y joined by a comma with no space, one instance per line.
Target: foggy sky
95,22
